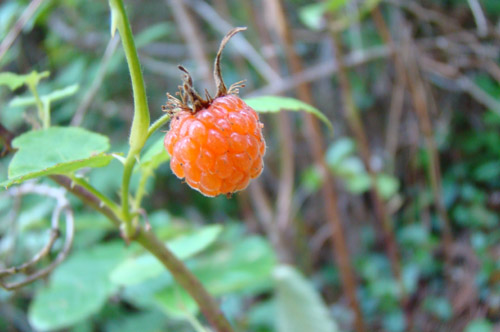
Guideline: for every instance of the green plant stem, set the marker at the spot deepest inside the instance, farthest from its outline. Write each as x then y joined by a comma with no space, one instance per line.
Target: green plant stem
140,122
105,201
87,197
151,243
141,190
158,123
43,113
127,174
186,279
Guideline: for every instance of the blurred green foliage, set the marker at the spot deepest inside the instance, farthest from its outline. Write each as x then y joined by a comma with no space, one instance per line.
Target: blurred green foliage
107,286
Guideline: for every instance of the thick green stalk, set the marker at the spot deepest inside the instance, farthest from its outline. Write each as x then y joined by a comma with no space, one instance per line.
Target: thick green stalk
140,122
127,174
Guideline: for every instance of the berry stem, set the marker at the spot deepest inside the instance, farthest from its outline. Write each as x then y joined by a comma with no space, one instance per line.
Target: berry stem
219,81
158,123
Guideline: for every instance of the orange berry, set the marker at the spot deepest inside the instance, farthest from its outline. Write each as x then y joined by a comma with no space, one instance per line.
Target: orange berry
218,149
216,144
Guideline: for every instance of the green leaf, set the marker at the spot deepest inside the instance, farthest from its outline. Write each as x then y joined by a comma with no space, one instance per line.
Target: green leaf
339,150
14,81
152,321
439,307
77,289
312,15
479,325
387,185
299,306
345,20
311,179
273,104
334,5
56,150
138,269
48,98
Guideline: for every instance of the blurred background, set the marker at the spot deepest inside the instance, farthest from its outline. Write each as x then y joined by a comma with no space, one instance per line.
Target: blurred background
388,223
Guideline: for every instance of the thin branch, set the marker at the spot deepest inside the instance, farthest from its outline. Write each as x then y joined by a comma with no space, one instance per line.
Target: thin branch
451,79
185,278
356,124
18,26
419,98
207,13
86,197
62,205
322,70
477,12
96,83
328,192
6,137
193,38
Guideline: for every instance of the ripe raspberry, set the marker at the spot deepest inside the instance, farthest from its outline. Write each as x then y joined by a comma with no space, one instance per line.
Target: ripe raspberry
218,149
216,144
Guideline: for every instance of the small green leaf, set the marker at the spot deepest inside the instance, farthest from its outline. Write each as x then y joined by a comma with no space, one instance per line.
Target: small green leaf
334,5
56,150
138,269
339,150
387,185
77,289
479,325
273,104
312,15
299,306
14,81
345,20
311,179
48,98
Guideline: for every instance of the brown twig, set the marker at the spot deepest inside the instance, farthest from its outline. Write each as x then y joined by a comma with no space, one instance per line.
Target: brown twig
284,198
321,70
328,190
186,279
419,98
207,13
18,26
62,205
6,137
188,28
89,96
356,124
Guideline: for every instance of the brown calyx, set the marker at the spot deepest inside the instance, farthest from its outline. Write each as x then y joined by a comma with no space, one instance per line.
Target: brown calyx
190,100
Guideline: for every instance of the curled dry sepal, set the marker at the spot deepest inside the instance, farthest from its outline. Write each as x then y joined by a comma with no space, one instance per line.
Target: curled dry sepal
216,143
